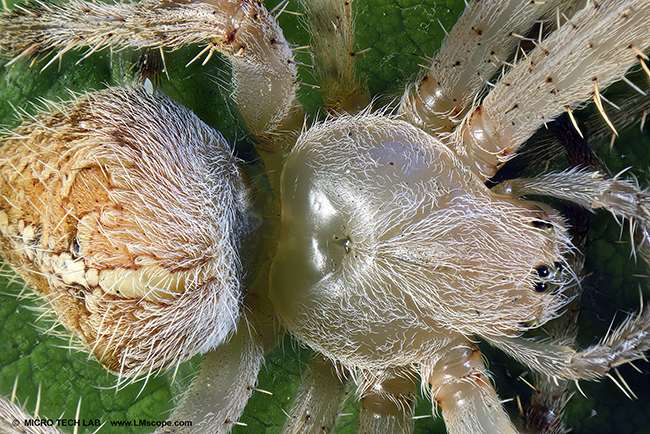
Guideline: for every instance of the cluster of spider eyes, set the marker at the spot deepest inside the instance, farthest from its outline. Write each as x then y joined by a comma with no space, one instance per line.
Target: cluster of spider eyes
549,278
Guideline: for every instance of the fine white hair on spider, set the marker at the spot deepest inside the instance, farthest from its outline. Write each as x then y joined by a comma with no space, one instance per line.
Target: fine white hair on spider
389,240
118,194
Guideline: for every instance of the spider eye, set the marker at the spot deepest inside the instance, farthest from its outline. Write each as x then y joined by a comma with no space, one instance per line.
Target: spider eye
541,287
543,225
546,287
550,278
543,271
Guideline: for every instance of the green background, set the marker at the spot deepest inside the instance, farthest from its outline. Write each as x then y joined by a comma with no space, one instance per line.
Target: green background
399,33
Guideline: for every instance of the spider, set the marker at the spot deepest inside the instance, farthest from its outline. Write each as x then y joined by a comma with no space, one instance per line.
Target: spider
546,283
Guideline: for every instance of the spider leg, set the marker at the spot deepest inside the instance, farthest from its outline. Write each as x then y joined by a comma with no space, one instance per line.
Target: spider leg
588,184
460,385
627,343
12,419
387,402
219,394
566,69
588,188
483,40
331,25
319,400
264,73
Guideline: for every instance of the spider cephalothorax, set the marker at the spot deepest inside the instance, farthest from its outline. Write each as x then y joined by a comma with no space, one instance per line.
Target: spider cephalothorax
381,218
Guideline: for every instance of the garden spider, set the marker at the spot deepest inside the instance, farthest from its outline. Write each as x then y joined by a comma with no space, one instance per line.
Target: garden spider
411,259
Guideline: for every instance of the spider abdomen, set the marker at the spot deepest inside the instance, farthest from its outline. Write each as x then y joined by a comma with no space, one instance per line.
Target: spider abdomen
117,228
